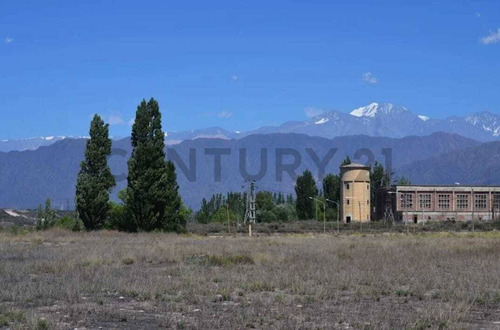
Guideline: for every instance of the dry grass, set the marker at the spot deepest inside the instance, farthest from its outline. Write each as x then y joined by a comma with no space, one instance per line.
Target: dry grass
60,279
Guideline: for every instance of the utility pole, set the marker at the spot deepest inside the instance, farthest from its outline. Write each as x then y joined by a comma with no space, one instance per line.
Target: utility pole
324,212
228,224
338,213
250,207
388,214
472,201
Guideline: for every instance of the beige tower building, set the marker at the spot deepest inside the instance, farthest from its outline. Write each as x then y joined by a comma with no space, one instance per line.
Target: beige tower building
355,193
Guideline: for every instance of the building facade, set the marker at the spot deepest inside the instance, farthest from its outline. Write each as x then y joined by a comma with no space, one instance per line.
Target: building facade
354,193
420,203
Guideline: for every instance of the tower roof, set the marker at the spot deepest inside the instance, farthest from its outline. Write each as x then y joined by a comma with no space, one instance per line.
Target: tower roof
355,165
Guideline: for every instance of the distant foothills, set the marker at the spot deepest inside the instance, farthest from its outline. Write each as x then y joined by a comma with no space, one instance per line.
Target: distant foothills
378,120
27,178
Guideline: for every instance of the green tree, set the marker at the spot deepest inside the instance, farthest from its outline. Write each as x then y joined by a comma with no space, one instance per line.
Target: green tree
346,161
403,181
175,219
331,191
95,180
149,196
331,187
46,217
264,201
305,188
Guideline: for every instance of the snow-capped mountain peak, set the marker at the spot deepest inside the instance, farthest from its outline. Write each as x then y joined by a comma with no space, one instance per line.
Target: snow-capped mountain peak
368,111
423,118
375,109
487,121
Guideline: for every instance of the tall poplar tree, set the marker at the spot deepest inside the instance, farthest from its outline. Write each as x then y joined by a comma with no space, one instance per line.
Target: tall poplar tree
175,221
331,189
151,200
305,187
95,180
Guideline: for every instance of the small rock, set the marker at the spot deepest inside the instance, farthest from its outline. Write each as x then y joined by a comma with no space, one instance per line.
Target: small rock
218,297
121,298
197,310
299,306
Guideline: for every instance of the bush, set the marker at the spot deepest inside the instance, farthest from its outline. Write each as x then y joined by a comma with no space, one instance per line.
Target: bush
221,216
66,223
119,220
266,216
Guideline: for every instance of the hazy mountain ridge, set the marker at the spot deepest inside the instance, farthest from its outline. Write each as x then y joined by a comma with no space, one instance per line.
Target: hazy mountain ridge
390,120
27,178
378,120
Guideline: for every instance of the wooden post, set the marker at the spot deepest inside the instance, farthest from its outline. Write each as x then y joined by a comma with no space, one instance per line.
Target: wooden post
228,225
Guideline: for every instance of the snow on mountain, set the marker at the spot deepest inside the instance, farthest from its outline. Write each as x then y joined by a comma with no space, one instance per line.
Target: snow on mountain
321,121
487,121
375,119
389,120
368,111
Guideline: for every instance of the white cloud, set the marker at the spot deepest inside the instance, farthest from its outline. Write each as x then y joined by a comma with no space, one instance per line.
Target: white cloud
9,40
116,120
478,15
225,114
313,112
234,77
369,78
491,38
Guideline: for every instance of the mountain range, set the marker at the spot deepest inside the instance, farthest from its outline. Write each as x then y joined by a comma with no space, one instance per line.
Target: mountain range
378,120
27,178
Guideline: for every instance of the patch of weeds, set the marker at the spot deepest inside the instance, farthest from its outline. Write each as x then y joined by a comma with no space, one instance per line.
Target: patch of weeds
344,256
40,324
422,324
128,261
230,260
90,262
12,316
221,261
259,286
181,325
280,298
3,321
37,241
403,293
223,295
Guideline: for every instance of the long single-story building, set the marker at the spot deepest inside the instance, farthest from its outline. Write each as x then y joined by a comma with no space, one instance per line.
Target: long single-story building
420,203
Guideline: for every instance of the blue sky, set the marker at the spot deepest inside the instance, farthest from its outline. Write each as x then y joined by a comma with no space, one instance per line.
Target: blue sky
240,64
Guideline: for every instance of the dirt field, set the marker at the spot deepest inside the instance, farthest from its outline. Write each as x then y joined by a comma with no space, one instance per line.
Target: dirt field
65,280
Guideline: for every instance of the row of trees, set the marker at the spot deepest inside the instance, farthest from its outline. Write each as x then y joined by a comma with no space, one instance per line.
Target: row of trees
306,188
151,200
270,207
280,207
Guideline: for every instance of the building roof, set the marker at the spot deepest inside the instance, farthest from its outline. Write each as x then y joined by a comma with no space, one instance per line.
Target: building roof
354,165
443,186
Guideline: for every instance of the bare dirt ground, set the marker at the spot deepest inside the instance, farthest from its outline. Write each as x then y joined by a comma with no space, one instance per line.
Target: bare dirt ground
64,280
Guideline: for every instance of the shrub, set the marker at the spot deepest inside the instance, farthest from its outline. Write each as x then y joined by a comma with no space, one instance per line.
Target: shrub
119,220
266,216
66,223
